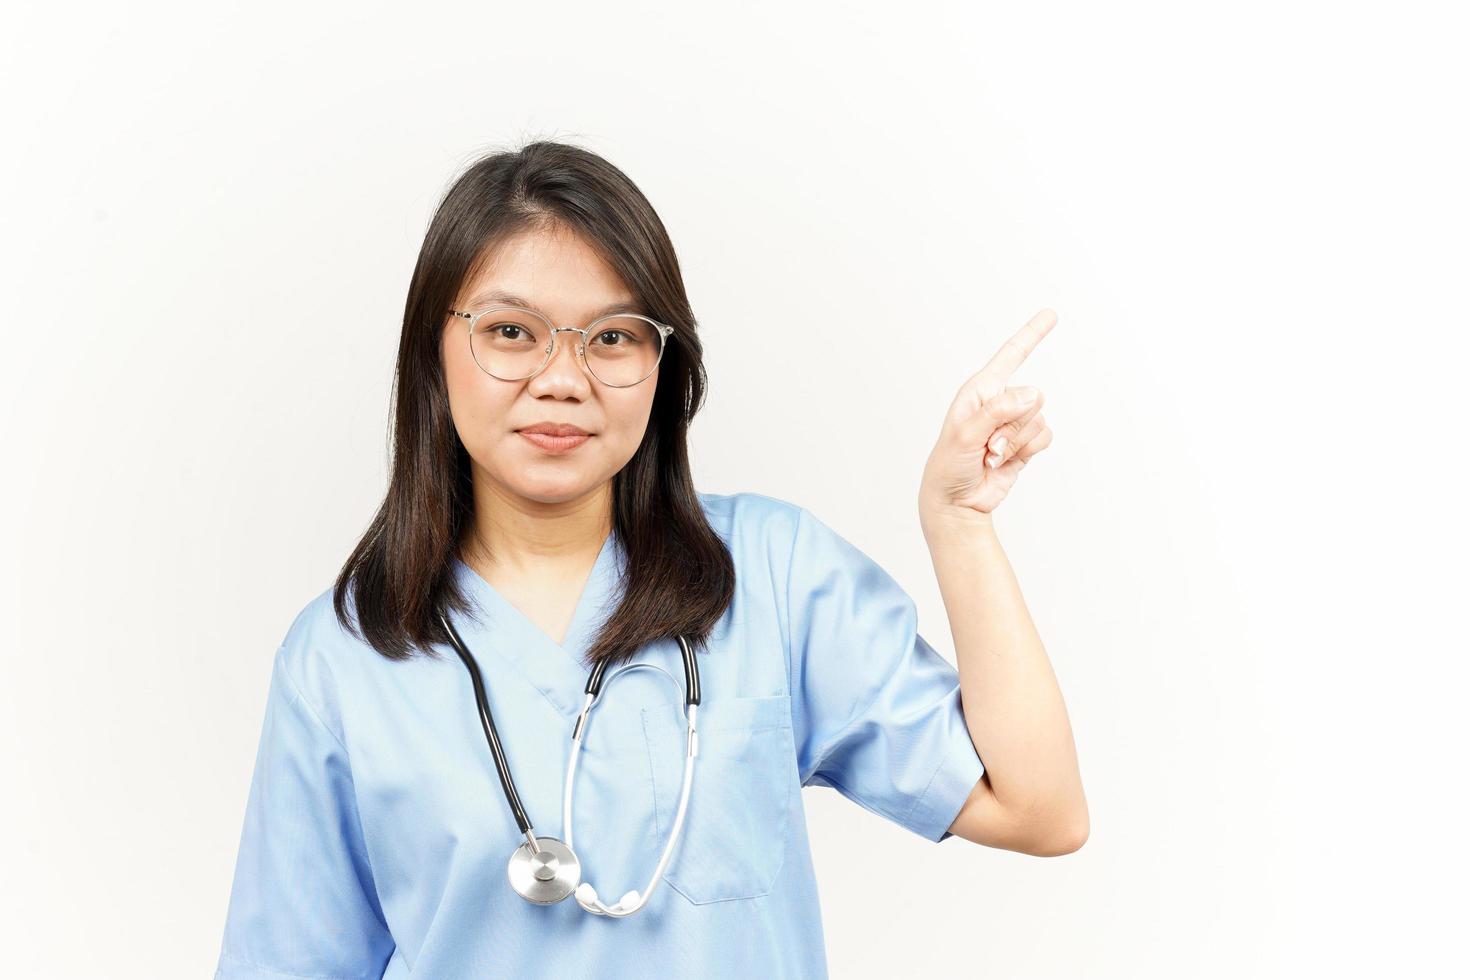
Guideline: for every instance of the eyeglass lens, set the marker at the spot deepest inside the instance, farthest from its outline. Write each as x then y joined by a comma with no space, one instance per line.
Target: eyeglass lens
512,344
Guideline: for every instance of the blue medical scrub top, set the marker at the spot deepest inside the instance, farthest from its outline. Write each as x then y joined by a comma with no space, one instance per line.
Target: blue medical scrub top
376,833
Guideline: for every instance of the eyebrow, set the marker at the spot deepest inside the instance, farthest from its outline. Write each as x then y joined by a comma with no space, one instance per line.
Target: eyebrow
496,296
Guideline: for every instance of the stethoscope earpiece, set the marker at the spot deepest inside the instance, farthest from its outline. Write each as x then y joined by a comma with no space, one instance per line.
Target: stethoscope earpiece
587,898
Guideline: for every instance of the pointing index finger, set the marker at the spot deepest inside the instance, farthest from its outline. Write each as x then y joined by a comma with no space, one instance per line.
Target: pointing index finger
997,371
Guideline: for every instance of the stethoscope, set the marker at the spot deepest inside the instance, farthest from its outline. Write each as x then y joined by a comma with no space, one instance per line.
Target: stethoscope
544,870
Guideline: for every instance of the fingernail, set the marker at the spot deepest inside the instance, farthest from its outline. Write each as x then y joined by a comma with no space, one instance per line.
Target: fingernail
992,461
999,445
1029,397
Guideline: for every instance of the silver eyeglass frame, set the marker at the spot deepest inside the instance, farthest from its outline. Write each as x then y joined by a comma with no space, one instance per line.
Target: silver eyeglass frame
663,329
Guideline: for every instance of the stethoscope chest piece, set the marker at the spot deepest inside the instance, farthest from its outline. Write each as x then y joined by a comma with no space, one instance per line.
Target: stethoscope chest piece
547,876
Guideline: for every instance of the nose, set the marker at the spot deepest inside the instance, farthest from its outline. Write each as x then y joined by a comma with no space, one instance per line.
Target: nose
565,345
563,366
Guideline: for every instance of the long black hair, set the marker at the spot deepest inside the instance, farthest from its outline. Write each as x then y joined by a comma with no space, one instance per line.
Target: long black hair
679,577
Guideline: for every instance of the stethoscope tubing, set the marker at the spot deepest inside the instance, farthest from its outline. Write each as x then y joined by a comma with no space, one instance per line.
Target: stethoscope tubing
691,749
487,722
593,690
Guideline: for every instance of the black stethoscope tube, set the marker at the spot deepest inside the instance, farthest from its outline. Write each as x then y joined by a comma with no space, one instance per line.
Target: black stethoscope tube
488,723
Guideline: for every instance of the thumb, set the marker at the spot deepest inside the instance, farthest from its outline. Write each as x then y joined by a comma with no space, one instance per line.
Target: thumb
1009,406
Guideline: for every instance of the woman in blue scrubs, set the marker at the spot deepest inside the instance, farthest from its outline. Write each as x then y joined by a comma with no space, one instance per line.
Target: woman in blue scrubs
541,499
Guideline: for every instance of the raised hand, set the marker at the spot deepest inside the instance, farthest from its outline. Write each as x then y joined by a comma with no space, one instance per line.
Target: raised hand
990,431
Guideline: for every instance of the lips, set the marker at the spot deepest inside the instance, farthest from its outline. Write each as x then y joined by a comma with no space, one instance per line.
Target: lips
554,438
554,429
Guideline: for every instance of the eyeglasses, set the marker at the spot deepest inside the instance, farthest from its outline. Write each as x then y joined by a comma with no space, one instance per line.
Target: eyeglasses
513,344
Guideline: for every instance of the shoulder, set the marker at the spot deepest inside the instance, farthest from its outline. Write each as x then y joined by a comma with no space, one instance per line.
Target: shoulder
749,520
778,522
318,655
801,551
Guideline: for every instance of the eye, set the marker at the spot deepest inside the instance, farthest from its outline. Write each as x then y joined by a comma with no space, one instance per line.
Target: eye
509,326
603,337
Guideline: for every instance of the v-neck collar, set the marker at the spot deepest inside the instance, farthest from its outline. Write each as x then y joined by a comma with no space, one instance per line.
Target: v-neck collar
553,668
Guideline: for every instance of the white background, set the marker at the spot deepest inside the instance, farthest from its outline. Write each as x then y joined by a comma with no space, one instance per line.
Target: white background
1245,549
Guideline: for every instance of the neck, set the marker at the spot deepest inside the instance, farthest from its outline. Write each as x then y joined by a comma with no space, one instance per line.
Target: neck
514,533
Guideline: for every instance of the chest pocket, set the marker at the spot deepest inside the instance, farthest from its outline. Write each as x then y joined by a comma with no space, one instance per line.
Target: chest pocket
734,837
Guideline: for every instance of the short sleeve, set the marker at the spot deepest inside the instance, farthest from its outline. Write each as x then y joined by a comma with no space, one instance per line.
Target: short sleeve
303,903
877,710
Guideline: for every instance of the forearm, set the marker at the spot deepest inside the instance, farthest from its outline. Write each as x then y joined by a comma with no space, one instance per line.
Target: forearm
1012,703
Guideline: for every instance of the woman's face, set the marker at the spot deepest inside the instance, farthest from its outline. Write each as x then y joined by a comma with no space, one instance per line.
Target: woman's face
558,274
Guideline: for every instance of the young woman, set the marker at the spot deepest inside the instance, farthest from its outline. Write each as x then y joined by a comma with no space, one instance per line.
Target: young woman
409,812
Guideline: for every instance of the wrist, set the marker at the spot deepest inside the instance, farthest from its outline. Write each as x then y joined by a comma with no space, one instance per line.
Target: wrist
944,522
